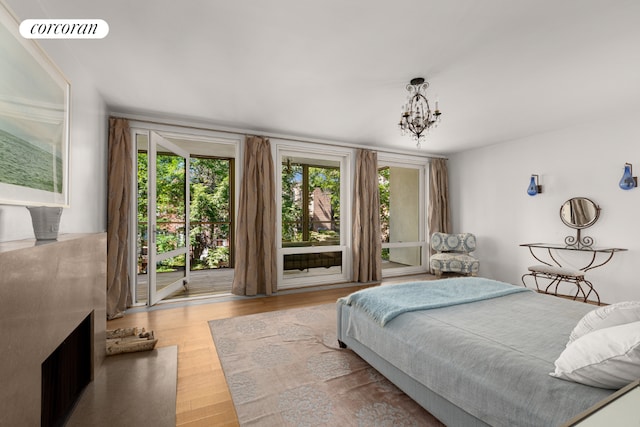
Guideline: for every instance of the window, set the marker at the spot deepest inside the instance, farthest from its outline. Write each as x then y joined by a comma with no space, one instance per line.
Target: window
211,212
312,202
402,216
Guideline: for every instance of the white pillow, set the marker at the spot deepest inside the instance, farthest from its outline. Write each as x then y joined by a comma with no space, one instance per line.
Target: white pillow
605,317
606,358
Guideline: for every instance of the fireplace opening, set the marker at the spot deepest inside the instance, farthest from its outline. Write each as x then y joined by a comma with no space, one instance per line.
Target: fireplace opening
65,374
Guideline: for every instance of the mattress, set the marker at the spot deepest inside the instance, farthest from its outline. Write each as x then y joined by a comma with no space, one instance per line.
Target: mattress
490,358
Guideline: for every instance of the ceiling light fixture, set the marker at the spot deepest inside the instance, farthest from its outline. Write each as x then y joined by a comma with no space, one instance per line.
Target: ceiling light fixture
417,117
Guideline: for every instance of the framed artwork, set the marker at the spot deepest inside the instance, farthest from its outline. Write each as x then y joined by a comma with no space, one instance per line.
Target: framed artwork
34,122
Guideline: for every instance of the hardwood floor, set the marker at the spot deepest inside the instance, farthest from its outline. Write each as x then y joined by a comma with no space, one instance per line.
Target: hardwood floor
203,398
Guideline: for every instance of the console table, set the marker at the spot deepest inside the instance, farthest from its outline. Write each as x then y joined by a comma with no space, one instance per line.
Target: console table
553,270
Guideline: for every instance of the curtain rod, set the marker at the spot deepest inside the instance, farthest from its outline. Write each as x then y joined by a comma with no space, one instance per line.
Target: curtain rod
237,131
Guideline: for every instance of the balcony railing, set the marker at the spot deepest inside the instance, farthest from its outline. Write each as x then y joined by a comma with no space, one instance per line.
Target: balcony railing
210,243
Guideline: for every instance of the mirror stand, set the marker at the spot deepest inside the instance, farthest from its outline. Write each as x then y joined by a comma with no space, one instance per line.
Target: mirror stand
579,213
578,242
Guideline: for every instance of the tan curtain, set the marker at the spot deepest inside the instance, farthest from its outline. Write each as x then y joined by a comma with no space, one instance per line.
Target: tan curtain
367,246
439,215
118,205
255,262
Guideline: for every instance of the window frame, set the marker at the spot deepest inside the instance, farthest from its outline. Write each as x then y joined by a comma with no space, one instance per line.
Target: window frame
281,149
422,165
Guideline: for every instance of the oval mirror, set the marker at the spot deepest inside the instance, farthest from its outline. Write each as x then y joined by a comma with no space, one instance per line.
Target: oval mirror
579,212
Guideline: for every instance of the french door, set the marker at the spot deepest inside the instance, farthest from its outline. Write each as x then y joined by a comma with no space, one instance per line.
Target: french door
184,207
168,218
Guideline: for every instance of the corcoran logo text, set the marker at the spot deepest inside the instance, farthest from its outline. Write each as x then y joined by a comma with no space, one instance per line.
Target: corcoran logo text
64,29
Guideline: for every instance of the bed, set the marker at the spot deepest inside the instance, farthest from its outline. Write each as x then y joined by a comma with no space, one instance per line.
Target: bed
482,362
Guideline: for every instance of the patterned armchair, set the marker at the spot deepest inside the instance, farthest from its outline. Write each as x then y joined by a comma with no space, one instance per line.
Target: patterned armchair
453,254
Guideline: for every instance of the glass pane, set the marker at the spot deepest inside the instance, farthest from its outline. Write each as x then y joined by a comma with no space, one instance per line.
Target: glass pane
210,245
383,191
170,203
401,257
310,202
210,209
312,264
399,204
170,235
170,270
291,202
142,245
324,205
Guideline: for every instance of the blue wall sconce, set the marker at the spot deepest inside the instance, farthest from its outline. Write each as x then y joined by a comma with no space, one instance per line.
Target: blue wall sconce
628,181
534,186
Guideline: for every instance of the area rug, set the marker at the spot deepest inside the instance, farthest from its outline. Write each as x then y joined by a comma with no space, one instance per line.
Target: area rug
285,368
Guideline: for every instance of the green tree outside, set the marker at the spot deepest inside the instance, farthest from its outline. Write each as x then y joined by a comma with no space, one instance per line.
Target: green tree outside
209,208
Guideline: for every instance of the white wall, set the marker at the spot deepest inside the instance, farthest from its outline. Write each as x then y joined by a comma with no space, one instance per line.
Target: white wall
88,142
489,198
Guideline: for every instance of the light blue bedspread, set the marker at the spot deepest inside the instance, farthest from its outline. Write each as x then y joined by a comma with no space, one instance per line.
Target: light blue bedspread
384,303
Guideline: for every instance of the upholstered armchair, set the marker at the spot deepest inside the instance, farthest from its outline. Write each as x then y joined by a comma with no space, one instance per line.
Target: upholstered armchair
453,254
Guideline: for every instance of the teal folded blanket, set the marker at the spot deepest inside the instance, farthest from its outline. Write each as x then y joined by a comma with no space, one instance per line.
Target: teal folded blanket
384,303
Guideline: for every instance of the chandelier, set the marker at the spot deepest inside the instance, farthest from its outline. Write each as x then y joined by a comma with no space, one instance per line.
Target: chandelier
417,117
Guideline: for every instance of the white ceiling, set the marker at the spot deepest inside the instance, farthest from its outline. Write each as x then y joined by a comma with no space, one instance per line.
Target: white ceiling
337,69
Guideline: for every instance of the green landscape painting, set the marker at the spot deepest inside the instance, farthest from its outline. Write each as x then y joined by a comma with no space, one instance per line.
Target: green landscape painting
34,122
29,165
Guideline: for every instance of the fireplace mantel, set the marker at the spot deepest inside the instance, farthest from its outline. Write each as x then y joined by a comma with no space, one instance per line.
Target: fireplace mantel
46,290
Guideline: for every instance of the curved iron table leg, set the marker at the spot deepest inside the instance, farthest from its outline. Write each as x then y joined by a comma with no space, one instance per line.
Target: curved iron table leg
591,289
